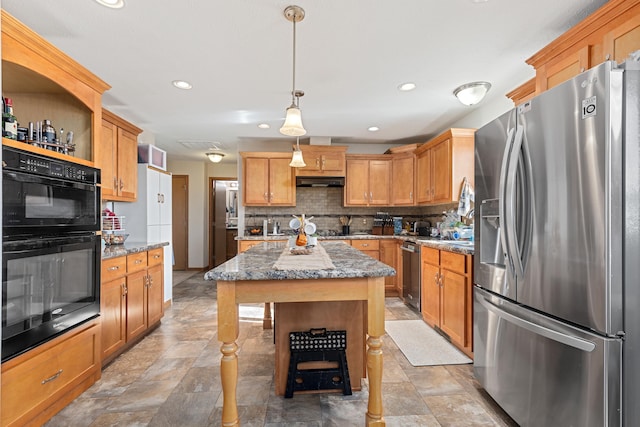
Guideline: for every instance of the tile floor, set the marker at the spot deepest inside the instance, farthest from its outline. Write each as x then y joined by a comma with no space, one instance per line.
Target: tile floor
171,378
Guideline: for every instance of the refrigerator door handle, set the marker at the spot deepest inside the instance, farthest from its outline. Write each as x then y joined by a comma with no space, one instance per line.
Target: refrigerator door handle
579,343
510,204
502,204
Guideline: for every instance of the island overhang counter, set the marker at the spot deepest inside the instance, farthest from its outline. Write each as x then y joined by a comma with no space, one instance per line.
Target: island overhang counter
259,275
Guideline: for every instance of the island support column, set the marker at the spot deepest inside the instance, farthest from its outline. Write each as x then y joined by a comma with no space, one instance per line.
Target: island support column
228,328
375,306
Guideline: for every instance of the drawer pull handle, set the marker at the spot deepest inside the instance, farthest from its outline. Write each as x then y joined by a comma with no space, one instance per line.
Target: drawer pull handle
156,256
51,378
138,261
114,268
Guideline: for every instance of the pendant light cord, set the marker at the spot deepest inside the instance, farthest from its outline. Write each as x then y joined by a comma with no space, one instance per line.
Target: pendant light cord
293,90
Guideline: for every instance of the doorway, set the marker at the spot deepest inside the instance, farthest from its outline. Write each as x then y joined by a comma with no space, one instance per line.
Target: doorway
180,227
223,221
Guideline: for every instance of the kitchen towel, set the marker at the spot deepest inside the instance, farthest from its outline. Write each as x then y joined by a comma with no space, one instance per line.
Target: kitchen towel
467,196
318,259
422,345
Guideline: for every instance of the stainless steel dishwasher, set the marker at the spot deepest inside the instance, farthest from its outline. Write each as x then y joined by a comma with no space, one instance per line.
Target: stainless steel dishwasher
411,274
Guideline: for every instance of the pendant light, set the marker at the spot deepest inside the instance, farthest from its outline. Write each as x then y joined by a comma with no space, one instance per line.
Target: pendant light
296,160
293,121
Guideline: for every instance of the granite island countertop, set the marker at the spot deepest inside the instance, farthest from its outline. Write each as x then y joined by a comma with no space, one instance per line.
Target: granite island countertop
257,264
129,247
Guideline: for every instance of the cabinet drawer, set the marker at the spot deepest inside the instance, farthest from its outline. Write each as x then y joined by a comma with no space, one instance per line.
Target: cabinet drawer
366,245
113,268
136,262
452,261
430,255
155,256
41,377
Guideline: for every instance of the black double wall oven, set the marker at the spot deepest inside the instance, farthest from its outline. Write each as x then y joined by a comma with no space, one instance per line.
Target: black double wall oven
50,250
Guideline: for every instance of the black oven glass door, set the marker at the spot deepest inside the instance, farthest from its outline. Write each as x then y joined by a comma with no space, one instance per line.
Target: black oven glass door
48,285
36,204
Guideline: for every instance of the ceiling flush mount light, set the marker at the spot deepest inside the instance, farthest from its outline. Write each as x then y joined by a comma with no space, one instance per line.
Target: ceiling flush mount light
406,87
472,93
264,126
181,84
113,4
293,121
215,157
373,129
296,160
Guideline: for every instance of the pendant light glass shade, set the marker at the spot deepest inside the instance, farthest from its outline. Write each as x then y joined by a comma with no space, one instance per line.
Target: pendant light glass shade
293,123
472,93
296,160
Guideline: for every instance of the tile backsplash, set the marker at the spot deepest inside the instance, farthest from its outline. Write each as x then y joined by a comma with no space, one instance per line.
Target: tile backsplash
325,204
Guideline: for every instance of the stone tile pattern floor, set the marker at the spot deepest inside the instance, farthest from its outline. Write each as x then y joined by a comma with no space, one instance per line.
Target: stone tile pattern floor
172,378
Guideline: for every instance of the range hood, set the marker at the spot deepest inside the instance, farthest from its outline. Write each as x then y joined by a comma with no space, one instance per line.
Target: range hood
319,181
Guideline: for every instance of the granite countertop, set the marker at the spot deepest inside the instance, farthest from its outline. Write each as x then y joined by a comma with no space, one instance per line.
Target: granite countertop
129,247
431,242
257,264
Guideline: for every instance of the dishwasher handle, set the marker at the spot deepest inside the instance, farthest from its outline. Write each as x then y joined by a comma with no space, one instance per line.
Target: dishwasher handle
412,248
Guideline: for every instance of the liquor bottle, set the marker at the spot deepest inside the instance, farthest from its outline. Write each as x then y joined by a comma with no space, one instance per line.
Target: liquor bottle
48,132
9,121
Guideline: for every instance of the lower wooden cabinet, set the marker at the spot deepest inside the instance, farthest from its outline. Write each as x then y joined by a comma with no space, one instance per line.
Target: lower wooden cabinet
446,295
132,299
389,255
39,383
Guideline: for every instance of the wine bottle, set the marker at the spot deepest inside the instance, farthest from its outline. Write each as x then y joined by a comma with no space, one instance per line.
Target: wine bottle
9,121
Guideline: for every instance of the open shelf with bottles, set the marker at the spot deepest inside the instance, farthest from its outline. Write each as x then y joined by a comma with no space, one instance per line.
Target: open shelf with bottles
45,83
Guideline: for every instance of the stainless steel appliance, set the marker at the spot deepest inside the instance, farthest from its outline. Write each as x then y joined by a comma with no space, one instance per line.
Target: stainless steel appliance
50,249
556,268
41,195
411,274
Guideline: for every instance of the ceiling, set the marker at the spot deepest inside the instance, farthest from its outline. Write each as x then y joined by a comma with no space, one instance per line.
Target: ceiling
351,56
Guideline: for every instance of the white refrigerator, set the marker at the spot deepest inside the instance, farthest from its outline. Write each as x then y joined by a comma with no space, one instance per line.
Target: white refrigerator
149,218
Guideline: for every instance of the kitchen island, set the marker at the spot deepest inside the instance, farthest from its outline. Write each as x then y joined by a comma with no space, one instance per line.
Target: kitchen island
258,276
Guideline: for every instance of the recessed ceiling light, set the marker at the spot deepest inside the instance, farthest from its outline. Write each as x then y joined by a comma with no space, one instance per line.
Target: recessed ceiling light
181,84
405,87
114,4
373,129
264,126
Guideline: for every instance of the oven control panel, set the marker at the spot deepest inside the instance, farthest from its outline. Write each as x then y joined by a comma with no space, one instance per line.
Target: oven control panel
14,159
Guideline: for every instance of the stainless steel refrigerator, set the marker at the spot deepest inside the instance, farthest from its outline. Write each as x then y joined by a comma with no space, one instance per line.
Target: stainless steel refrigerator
557,262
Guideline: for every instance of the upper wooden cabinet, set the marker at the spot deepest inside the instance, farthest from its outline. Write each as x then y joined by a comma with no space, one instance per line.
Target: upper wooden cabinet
402,179
118,158
45,83
322,160
267,179
368,180
442,164
610,33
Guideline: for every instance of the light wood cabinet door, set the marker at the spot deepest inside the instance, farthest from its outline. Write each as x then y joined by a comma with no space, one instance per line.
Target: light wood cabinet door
136,304
357,183
430,294
402,180
453,312
155,294
379,182
127,164
113,307
619,42
268,180
119,158
441,172
323,161
256,181
389,256
108,162
423,177
281,183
